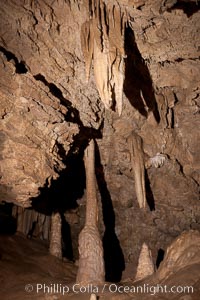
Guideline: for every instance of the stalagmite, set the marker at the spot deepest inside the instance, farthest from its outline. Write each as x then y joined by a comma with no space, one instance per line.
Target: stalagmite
145,263
93,297
55,236
138,166
91,263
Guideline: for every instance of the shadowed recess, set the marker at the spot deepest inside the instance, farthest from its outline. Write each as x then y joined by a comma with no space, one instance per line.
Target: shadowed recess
160,257
8,224
67,250
138,86
19,65
188,7
113,255
63,191
149,193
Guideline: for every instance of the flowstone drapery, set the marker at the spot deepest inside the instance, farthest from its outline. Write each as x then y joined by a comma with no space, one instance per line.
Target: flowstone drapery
91,262
55,236
102,39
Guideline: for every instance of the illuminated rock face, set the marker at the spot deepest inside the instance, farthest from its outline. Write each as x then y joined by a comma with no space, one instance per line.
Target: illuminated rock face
54,90
103,41
145,263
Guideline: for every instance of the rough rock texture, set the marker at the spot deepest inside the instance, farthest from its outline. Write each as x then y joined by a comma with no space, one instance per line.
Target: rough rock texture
49,112
44,75
91,263
181,254
180,268
145,266
55,245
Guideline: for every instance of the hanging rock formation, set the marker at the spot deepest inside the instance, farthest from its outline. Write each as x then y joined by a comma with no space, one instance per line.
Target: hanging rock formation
102,40
139,163
137,159
91,262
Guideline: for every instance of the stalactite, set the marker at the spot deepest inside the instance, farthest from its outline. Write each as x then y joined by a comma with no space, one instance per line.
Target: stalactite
87,44
137,159
55,237
91,263
145,263
102,38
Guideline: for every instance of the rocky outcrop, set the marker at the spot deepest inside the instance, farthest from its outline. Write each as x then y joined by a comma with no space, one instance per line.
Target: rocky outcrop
180,255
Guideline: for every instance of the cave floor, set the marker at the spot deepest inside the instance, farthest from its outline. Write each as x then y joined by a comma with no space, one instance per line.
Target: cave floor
27,271
25,265
27,262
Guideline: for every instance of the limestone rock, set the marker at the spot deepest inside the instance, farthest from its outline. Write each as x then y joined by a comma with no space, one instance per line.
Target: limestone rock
145,263
182,253
55,247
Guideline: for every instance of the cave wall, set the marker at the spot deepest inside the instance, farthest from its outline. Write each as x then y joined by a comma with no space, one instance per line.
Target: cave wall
49,112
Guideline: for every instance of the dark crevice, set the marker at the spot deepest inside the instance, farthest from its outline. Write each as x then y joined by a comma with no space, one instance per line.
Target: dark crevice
8,224
160,257
19,65
172,118
188,7
176,98
138,85
149,193
179,59
113,255
72,114
61,194
67,249
180,168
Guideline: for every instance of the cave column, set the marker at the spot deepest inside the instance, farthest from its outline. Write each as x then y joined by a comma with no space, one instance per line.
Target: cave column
91,262
55,247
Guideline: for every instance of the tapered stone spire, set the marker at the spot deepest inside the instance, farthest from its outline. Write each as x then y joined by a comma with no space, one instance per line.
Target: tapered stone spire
91,262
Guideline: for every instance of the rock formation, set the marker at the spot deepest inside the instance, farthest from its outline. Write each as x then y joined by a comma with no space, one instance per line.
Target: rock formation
182,253
93,297
137,159
145,263
91,263
53,101
31,223
102,39
55,247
